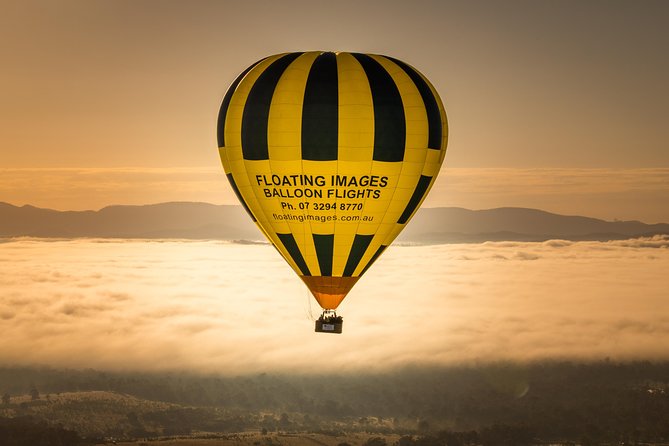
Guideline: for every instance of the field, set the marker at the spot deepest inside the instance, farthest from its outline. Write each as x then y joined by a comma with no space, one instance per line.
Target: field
258,439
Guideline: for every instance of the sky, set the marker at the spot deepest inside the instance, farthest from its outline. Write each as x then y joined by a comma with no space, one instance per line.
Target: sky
553,105
201,306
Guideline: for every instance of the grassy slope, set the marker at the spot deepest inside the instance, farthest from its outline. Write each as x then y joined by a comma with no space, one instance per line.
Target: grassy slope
89,413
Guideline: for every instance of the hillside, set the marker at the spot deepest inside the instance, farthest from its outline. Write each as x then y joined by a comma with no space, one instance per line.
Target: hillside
208,221
452,225
92,413
165,220
605,402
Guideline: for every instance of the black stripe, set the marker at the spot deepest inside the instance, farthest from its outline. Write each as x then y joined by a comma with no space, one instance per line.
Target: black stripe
239,195
320,112
418,194
360,244
389,120
430,101
256,109
324,249
291,246
374,257
222,113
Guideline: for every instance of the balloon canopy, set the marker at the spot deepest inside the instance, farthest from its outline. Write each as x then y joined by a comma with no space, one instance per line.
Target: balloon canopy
331,154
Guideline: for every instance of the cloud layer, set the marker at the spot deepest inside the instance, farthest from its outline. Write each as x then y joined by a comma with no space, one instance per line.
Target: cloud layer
227,308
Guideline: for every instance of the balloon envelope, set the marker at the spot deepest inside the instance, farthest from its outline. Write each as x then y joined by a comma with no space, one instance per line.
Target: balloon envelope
331,154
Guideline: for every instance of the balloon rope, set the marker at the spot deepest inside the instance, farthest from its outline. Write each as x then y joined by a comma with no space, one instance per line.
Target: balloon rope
310,313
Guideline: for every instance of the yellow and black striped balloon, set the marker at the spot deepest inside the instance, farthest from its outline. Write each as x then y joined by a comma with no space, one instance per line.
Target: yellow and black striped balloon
331,154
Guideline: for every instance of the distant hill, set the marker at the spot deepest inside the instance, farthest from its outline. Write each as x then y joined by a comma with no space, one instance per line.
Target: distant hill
165,220
452,225
207,221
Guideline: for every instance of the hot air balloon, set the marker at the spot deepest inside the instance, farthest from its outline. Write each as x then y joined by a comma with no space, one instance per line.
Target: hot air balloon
331,154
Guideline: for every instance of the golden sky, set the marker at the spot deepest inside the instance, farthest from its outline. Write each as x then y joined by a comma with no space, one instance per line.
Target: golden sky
567,98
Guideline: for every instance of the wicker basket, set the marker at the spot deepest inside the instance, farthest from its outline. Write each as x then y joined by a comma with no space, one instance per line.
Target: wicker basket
328,327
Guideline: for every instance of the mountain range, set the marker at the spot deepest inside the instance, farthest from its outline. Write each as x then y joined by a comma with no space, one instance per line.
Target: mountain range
189,220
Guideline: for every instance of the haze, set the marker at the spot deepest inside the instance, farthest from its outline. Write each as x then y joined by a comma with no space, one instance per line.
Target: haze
227,308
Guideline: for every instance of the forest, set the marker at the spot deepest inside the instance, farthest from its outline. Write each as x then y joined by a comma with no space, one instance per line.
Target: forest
495,404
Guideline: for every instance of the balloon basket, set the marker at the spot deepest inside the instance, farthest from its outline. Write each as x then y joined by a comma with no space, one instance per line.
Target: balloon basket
329,322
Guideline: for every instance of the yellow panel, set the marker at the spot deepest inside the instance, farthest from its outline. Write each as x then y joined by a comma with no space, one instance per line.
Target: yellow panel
407,192
233,119
432,163
356,111
282,214
224,159
401,198
408,181
284,130
415,155
409,168
305,242
342,247
397,177
383,237
391,171
234,154
350,207
321,209
265,209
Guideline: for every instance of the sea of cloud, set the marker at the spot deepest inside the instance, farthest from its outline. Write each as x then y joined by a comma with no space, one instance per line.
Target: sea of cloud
221,307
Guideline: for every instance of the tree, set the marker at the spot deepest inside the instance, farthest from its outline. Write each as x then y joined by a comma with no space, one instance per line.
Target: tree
424,426
375,441
34,393
505,435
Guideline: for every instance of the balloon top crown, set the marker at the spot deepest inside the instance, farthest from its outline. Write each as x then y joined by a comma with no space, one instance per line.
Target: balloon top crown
326,84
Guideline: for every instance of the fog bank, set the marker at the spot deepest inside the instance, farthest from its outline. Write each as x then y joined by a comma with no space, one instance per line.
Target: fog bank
228,308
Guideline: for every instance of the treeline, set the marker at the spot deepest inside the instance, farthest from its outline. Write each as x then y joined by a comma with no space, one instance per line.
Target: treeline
29,431
597,402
